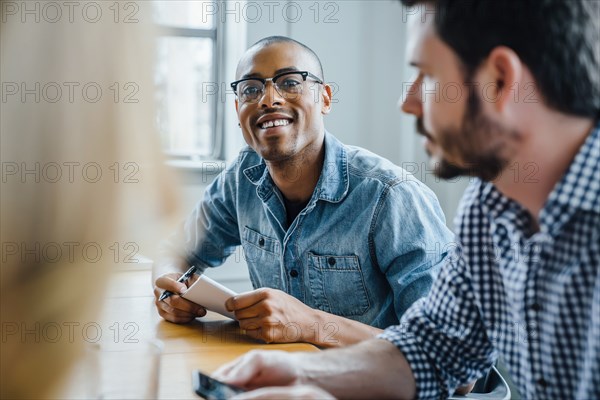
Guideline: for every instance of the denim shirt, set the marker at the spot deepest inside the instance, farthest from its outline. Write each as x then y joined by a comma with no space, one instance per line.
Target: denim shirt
366,246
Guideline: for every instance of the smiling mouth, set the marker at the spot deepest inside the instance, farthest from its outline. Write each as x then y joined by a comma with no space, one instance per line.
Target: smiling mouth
274,123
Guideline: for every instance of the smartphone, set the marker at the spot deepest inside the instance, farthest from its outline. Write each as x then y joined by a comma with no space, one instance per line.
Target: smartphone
212,389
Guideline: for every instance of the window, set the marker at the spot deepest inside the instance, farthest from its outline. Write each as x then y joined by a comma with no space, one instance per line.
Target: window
189,53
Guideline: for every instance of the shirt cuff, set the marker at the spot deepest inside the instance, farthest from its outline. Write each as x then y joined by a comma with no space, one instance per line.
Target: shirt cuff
427,381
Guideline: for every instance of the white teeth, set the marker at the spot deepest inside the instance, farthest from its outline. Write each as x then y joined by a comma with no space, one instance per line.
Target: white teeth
276,122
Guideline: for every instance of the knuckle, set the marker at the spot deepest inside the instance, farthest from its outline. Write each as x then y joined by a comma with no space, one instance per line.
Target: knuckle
267,336
233,302
270,321
252,325
263,292
268,308
175,301
244,324
180,303
168,309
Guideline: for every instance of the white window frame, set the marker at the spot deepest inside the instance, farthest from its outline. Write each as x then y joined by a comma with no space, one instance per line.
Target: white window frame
229,44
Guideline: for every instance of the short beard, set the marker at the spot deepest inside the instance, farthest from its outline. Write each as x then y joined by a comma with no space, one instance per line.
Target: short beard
480,144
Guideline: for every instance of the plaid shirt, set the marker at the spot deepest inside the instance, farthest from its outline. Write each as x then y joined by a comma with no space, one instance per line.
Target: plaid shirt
532,298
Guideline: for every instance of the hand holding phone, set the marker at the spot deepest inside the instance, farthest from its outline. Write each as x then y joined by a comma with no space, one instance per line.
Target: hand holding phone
212,389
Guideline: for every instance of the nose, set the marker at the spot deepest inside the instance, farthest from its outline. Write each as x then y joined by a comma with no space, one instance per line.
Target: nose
413,102
271,96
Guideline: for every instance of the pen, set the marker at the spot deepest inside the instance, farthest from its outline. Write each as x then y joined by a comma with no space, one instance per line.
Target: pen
182,278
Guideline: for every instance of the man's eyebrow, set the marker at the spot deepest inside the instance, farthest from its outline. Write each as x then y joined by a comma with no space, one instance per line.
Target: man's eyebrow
251,75
286,69
279,71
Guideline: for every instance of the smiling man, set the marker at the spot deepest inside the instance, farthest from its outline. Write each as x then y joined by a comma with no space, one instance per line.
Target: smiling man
524,284
339,242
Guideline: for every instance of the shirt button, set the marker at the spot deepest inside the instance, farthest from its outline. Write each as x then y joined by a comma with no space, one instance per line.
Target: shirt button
542,383
261,242
294,273
331,261
536,307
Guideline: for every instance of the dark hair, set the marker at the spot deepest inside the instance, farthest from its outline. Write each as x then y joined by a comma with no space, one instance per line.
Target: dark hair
284,39
558,40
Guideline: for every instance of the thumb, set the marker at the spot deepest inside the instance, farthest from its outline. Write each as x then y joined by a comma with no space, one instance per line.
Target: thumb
169,283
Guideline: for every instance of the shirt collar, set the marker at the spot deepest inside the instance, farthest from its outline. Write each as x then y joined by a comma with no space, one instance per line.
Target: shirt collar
333,182
579,188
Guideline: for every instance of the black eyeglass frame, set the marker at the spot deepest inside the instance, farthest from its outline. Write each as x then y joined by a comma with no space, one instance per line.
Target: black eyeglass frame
304,74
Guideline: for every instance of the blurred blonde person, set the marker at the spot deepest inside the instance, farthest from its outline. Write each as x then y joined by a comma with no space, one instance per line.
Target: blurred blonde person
81,171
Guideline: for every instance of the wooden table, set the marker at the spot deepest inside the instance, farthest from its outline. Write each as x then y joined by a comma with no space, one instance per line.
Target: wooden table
204,344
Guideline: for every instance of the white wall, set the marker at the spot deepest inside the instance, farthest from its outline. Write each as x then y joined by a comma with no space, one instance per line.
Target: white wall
363,55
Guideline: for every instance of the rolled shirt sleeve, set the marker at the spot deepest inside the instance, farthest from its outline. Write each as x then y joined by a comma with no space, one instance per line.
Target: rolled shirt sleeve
409,240
443,336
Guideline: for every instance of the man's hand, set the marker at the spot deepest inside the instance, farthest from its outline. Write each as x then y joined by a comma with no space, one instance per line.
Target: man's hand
257,369
305,392
274,316
371,369
175,308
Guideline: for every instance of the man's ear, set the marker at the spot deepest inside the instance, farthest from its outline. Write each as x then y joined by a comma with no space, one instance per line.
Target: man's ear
326,94
505,70
236,106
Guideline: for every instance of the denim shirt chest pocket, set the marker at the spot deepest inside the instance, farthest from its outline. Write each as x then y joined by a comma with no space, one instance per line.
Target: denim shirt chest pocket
262,254
337,284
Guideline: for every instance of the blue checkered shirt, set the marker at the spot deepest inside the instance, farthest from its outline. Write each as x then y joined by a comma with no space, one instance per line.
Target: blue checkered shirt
530,298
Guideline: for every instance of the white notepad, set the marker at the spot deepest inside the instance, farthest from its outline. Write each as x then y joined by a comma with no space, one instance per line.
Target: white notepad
210,295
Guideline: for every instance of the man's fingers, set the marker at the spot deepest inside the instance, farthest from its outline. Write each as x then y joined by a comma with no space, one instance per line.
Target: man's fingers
241,371
259,334
223,372
254,311
173,318
286,392
261,368
259,322
166,307
166,282
254,332
245,300
175,308
182,304
180,307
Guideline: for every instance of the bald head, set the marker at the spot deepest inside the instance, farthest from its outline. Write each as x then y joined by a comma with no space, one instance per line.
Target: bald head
311,56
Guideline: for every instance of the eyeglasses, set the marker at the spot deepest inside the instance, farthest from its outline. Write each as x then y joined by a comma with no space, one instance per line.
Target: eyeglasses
288,84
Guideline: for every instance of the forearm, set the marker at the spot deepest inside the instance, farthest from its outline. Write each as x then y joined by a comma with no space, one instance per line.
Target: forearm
371,369
331,330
